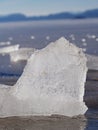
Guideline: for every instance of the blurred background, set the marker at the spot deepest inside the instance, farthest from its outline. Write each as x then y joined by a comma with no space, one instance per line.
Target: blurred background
28,25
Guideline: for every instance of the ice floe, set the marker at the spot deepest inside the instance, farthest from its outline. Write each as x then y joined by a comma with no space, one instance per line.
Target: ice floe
52,83
21,54
9,49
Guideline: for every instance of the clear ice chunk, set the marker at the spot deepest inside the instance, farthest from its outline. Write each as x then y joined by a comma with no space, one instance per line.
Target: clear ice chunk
52,83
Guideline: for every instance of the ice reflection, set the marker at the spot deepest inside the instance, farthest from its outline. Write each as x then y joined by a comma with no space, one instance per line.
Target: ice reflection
43,123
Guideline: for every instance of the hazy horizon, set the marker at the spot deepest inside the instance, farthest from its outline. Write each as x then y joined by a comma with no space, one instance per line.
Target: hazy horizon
45,7
71,12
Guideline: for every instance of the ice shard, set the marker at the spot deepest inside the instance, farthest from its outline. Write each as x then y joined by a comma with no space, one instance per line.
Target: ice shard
52,83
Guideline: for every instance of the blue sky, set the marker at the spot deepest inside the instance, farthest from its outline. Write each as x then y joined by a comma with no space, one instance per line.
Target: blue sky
43,7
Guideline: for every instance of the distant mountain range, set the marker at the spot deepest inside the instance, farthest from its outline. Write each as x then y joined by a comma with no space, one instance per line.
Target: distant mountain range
64,15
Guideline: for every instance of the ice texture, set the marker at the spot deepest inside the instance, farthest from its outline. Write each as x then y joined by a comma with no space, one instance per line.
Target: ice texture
52,83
